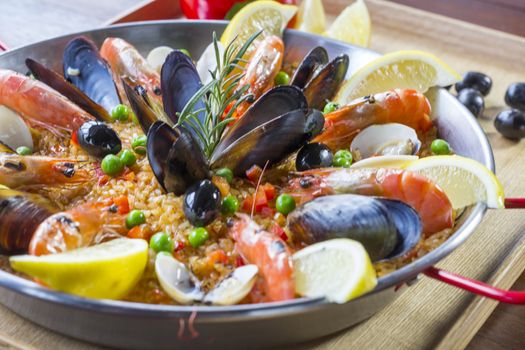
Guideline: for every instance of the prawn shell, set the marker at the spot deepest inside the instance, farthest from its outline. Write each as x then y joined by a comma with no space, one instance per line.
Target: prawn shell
386,228
94,76
314,59
325,83
57,82
20,214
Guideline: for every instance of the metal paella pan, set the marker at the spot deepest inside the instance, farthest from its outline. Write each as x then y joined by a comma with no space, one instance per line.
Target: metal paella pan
139,326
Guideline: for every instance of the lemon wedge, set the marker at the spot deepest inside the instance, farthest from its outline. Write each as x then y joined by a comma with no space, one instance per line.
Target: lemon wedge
353,25
401,69
387,162
311,17
337,269
105,271
269,16
464,180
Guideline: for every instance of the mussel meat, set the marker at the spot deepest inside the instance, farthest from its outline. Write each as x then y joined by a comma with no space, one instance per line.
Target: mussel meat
386,227
386,139
85,68
316,58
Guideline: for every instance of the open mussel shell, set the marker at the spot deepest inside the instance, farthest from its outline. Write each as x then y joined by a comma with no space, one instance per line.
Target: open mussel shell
140,104
20,215
57,82
270,142
325,83
179,81
86,69
233,288
386,139
175,158
14,132
315,59
385,227
275,102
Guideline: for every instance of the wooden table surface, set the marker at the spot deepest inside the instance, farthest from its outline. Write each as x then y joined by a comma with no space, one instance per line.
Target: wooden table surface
24,21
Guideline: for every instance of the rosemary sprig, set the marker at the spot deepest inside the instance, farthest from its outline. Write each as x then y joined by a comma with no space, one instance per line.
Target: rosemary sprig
218,95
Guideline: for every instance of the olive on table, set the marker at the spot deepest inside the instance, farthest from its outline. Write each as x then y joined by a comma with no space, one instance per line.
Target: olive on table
202,203
312,156
515,96
477,81
473,100
511,124
98,139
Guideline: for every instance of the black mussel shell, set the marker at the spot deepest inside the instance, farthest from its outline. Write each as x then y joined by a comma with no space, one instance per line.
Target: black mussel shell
315,59
275,102
313,156
57,82
94,76
324,84
179,81
98,139
386,228
140,104
202,203
175,158
270,142
20,214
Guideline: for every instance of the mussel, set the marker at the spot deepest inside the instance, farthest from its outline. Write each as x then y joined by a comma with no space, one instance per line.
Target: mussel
387,228
316,58
386,139
20,215
13,131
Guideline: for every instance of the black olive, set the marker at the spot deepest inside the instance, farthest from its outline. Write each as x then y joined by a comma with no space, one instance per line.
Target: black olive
477,81
312,156
515,96
202,203
473,100
511,124
98,139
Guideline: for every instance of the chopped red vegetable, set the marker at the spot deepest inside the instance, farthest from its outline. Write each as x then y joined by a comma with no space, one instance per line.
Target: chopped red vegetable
254,173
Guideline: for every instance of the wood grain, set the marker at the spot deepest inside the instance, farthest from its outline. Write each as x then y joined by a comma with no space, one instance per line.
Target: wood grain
430,314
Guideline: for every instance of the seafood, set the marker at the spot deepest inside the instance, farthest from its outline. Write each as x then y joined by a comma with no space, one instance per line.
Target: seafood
431,203
13,131
39,104
269,253
18,171
386,139
403,106
79,227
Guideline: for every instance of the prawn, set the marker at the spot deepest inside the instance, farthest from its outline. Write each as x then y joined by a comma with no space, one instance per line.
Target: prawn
427,198
271,255
39,104
403,106
80,227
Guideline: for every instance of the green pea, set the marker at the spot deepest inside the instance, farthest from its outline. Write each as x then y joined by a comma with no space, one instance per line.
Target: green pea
135,218
23,150
282,78
186,52
161,242
128,158
330,107
120,112
341,162
230,205
198,236
139,144
112,165
285,204
343,153
440,147
225,173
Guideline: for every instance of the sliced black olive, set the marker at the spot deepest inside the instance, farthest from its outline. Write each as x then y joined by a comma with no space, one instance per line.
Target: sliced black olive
202,203
312,156
511,124
473,100
98,139
515,96
477,81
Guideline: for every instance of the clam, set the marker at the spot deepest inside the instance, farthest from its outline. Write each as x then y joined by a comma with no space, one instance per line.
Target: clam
386,139
185,288
387,228
207,63
14,132
157,57
88,71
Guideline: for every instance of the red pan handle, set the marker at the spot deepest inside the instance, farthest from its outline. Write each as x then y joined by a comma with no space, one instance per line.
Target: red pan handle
476,287
514,203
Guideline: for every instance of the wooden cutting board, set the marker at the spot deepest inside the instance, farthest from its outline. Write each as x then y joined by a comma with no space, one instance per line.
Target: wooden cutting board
429,314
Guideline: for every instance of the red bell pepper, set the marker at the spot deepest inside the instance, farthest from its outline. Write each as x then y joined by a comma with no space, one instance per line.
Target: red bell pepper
213,9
